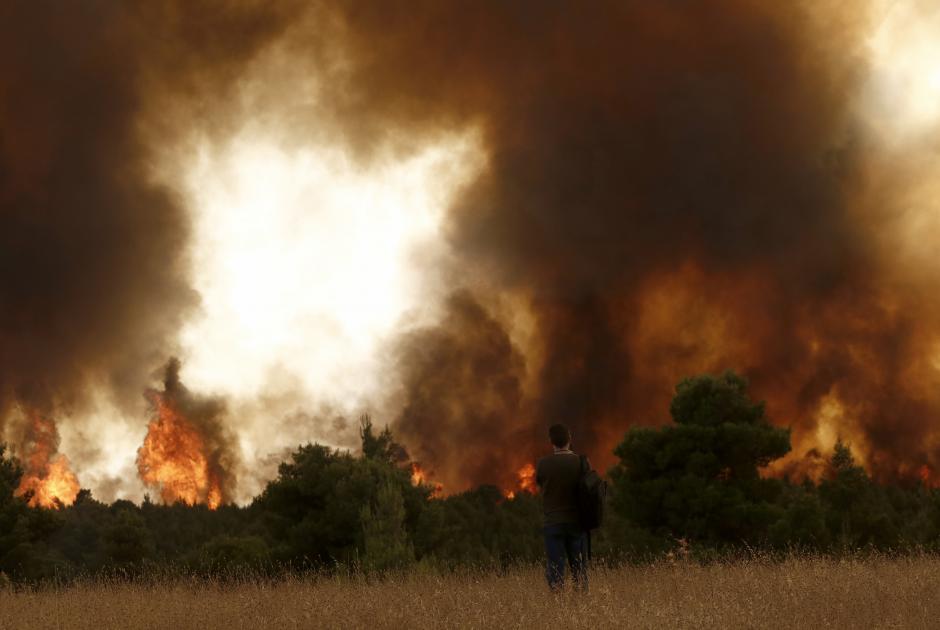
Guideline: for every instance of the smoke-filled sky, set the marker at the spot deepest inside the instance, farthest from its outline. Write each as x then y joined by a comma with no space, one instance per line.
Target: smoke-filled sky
469,219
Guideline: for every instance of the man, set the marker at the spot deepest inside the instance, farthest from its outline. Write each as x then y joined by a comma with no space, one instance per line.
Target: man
557,476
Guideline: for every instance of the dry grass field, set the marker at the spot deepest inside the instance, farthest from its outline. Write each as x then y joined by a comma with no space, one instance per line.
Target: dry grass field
797,593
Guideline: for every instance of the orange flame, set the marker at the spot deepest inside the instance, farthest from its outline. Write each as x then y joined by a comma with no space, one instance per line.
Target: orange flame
173,458
526,481
48,475
417,474
925,475
420,478
526,476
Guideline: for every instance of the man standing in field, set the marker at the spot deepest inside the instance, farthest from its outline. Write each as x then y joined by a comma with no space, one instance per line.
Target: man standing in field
557,476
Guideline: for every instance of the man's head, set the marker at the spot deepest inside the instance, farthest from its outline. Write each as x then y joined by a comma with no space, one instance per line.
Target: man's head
559,435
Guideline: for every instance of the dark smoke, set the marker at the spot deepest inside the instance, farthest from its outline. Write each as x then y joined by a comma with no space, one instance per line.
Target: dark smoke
670,187
92,250
635,145
463,384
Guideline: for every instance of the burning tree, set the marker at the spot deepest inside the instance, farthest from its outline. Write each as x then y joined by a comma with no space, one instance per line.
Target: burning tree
48,480
185,454
526,481
173,459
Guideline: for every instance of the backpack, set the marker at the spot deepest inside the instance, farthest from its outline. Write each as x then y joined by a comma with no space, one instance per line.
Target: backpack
592,495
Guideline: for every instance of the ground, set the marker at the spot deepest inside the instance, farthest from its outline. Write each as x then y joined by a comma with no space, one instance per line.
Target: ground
878,592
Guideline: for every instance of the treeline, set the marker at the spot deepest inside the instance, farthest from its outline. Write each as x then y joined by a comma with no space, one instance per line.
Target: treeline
326,509
693,485
697,483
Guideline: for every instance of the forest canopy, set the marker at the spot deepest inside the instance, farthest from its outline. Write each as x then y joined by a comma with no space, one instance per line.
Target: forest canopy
701,482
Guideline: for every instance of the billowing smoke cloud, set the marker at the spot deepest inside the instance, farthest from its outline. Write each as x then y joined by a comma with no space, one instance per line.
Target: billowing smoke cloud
463,385
672,187
92,251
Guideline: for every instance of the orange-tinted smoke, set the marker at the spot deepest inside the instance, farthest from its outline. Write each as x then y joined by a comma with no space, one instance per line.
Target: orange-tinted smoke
185,455
93,276
671,188
462,383
47,478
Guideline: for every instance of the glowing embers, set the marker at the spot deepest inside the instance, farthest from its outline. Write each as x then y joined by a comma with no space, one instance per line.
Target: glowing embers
927,477
526,481
174,458
48,479
420,478
924,474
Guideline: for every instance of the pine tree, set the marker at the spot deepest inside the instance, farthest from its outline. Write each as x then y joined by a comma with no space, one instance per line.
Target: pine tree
699,478
385,541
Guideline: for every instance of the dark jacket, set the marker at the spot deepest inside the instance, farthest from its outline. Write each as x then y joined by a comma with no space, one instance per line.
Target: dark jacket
557,475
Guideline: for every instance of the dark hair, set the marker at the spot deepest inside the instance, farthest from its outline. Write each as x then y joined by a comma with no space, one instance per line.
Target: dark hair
559,435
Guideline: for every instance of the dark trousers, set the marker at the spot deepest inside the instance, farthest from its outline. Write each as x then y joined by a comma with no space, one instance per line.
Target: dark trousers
566,541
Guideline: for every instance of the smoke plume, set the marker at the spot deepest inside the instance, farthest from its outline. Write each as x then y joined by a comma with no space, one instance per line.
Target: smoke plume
669,188
672,187
92,251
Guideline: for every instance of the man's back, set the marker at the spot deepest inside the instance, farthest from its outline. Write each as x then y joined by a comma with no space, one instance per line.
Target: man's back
557,475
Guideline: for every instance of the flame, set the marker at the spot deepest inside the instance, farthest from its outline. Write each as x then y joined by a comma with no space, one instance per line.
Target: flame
173,458
48,475
420,478
925,475
525,483
417,474
526,476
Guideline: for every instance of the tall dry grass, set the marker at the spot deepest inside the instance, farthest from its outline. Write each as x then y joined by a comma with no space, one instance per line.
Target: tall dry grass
878,592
